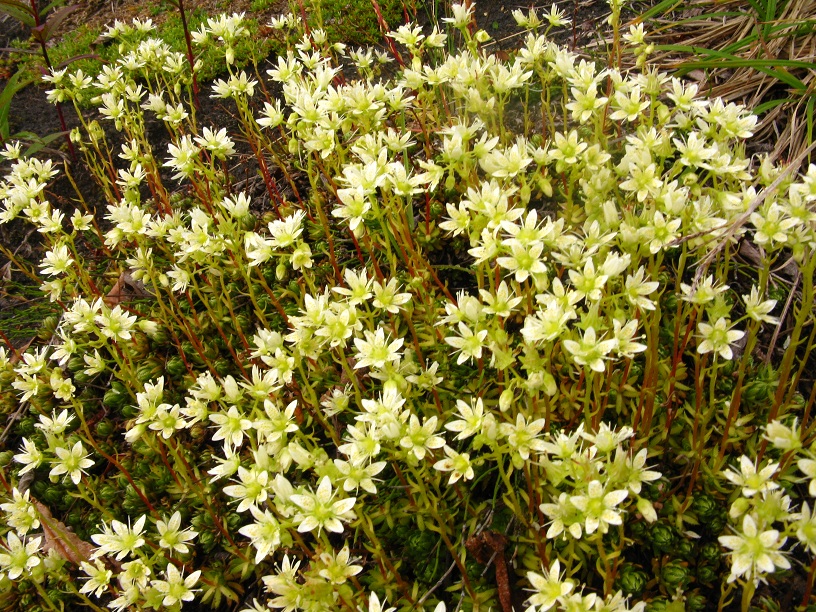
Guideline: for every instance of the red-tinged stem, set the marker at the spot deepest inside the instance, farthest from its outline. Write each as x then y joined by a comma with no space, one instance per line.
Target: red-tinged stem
36,13
190,58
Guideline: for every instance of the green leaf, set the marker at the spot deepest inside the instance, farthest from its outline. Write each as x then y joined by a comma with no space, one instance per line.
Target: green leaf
55,3
809,118
76,58
18,11
17,5
57,17
766,106
662,8
13,85
726,60
19,50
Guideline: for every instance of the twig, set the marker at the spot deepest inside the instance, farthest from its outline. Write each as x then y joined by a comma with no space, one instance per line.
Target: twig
740,221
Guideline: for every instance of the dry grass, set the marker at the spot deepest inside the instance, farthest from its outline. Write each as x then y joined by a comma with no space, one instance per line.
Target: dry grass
760,53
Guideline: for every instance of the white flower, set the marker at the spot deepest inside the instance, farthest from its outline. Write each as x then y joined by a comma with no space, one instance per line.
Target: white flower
339,566
116,324
758,309
599,507
19,557
176,588
751,481
253,488
590,351
462,15
217,143
522,438
99,577
805,526
548,588
29,455
359,475
231,427
783,437
458,464
71,461
375,351
420,437
317,510
119,538
264,533
21,514
172,537
754,553
469,344
718,338
387,298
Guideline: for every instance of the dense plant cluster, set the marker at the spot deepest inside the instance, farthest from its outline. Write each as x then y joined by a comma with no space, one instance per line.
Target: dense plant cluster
489,339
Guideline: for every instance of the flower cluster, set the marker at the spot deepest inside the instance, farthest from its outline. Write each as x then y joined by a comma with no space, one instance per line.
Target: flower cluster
414,331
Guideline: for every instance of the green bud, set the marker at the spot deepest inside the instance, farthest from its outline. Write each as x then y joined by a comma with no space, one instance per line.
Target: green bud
139,345
506,400
26,426
42,405
684,549
675,576
662,537
707,574
207,541
116,396
198,431
104,428
248,222
108,493
191,353
48,328
175,367
632,580
150,369
705,507
76,363
161,336
6,457
695,602
710,553
7,377
82,378
53,496
659,604
222,367
524,193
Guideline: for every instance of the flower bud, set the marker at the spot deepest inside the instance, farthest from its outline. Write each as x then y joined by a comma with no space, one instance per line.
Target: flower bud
646,508
505,400
481,37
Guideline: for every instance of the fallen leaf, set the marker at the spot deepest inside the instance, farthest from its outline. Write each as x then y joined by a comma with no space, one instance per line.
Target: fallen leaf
126,288
5,273
487,546
61,539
